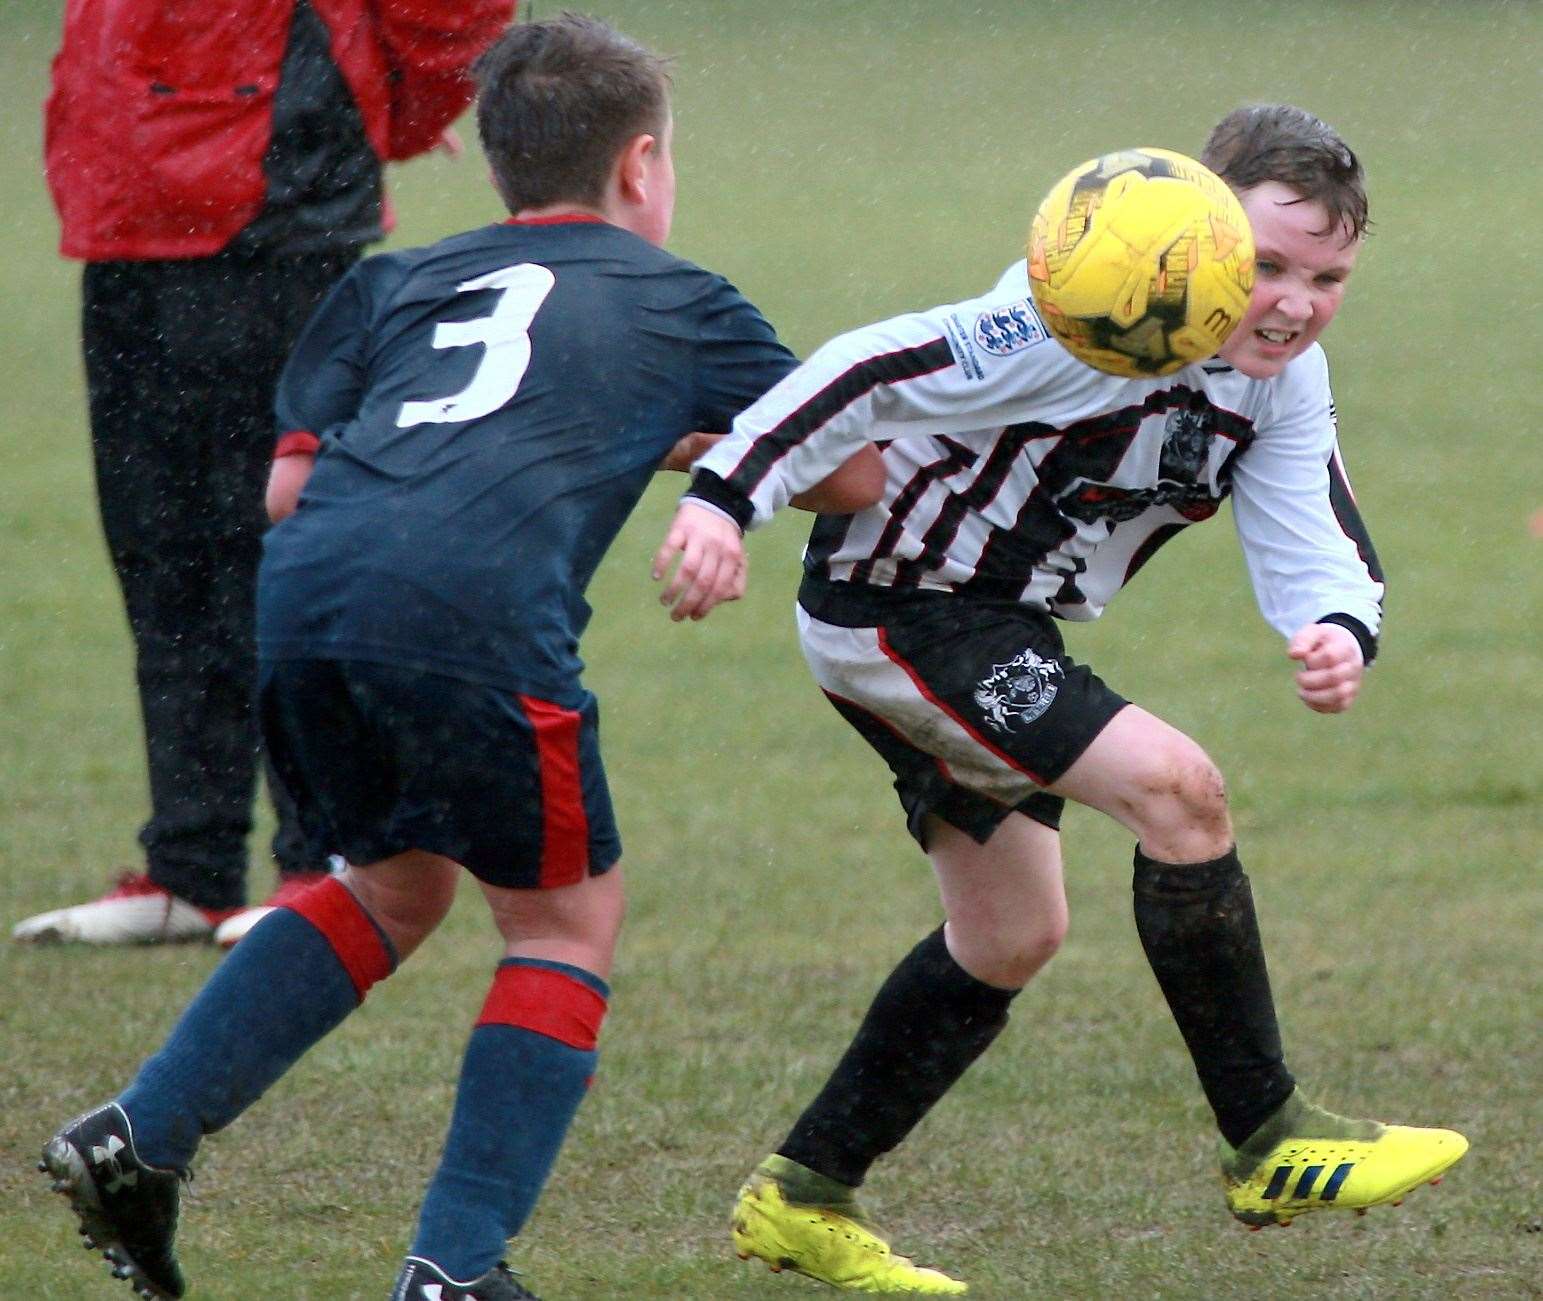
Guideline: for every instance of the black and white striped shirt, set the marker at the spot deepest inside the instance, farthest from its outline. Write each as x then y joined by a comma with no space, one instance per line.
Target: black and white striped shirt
1015,472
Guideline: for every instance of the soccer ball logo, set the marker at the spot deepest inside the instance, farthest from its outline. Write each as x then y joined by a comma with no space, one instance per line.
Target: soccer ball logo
1141,262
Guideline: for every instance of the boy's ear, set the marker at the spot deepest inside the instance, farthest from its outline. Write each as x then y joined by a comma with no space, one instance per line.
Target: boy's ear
631,169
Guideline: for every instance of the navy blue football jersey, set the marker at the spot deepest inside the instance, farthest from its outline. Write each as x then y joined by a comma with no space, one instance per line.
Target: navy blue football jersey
490,409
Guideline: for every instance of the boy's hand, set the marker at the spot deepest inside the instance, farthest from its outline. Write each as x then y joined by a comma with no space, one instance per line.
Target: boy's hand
712,562
286,477
1332,669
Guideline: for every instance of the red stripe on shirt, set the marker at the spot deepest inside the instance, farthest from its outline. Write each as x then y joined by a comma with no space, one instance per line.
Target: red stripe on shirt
564,823
546,1002
557,219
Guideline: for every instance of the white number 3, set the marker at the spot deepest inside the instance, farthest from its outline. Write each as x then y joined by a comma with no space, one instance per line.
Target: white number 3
506,334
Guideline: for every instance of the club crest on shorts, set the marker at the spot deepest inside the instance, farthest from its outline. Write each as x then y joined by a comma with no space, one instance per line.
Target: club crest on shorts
1018,691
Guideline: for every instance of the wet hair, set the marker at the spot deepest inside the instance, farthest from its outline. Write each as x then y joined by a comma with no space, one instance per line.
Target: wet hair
1276,142
556,102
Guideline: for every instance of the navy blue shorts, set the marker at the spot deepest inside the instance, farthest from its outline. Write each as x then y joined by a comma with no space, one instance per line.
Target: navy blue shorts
382,759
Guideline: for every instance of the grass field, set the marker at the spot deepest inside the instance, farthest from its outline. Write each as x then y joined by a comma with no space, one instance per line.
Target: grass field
842,160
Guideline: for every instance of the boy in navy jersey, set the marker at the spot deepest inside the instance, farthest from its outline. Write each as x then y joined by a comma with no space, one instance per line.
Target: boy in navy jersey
482,414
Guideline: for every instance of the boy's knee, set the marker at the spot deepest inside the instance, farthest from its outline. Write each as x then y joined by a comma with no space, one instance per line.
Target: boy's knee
1181,786
408,911
576,923
1036,948
1009,959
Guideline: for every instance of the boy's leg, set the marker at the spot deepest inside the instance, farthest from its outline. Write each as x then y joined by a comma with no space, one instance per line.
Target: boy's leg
529,1062
1194,910
948,694
1195,917
935,1014
946,1001
295,977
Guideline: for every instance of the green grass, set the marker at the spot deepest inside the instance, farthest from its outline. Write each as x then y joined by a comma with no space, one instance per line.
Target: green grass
843,160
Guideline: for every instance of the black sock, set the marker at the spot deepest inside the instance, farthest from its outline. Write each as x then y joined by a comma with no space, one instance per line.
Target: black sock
1197,925
928,1022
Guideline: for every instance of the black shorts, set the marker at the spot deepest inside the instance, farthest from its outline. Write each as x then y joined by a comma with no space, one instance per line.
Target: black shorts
382,759
974,706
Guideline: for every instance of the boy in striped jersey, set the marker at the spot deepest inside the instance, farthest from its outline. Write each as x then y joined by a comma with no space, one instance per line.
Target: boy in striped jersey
1023,488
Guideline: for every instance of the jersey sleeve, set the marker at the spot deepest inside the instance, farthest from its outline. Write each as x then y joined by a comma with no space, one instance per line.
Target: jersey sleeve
738,357
914,375
1308,553
323,380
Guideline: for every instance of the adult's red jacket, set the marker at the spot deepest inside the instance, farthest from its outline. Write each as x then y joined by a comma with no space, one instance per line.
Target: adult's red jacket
160,111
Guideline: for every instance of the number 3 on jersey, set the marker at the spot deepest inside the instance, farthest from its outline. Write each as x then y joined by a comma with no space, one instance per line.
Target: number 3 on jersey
506,336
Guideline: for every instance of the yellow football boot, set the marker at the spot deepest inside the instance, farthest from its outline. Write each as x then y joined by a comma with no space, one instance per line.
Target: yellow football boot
830,1242
1307,1159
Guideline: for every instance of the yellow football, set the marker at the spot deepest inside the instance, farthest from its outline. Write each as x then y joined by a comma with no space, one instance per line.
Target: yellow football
1141,262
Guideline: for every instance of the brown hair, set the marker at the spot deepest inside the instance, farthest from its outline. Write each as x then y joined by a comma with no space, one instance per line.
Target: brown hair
1276,142
557,100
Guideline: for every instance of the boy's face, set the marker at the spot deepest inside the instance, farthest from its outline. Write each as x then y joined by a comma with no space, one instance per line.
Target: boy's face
1299,279
657,211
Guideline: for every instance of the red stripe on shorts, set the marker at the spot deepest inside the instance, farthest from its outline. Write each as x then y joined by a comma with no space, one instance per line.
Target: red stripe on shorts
896,658
895,732
564,823
331,907
545,1002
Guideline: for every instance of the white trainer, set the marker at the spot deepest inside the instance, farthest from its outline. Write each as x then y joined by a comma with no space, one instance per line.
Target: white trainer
235,927
135,911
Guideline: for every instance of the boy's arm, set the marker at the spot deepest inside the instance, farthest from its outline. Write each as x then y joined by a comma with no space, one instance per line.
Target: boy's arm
854,485
708,541
1314,570
293,460
852,392
899,378
796,440
911,376
321,386
686,450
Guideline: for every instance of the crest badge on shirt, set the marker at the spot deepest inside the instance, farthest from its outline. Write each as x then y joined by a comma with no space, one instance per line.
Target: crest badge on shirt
1018,691
1002,331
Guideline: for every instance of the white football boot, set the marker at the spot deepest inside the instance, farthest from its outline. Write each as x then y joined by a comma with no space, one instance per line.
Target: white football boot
135,911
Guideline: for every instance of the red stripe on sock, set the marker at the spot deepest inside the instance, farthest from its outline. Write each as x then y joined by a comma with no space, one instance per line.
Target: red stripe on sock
547,1002
331,907
564,823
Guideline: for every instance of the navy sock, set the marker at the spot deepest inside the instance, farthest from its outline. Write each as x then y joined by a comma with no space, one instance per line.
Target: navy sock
527,1067
295,976
1197,926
